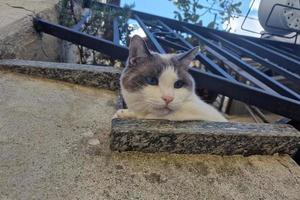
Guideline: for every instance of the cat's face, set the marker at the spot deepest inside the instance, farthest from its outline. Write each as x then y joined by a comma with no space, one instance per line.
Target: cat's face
158,83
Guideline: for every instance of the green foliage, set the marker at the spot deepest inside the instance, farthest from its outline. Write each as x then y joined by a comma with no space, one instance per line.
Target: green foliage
124,28
101,20
100,24
192,10
188,10
66,17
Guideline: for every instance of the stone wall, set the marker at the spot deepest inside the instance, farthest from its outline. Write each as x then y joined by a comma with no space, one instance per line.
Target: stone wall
18,39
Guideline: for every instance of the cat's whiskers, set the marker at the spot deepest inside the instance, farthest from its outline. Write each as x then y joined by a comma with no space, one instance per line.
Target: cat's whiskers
140,106
154,103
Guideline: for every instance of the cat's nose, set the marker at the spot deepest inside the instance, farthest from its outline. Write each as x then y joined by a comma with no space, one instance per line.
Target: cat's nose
167,99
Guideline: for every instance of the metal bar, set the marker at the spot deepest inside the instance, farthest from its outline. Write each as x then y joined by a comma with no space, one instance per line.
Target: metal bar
201,57
206,61
257,47
252,114
254,72
221,103
228,105
79,26
116,31
171,44
264,62
176,34
295,51
285,61
282,51
277,104
296,39
213,67
260,114
149,34
240,72
178,26
246,17
76,37
291,64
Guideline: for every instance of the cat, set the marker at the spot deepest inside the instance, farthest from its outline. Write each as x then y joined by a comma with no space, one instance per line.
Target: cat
158,86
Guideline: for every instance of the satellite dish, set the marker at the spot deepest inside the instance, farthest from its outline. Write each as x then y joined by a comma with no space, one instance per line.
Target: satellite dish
282,20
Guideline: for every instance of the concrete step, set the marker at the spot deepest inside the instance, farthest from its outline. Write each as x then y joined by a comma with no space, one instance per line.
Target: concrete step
87,75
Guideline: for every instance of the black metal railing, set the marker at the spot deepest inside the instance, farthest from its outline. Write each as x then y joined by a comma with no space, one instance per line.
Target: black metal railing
258,88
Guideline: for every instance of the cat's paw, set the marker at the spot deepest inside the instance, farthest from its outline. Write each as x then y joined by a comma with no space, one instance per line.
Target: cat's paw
124,114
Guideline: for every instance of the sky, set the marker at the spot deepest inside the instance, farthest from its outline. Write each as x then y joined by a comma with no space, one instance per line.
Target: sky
166,8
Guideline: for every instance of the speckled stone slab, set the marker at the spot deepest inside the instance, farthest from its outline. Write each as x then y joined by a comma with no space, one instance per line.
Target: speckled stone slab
199,137
87,75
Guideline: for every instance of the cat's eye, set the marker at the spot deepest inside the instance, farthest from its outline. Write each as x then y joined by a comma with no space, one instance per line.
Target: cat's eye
178,84
152,80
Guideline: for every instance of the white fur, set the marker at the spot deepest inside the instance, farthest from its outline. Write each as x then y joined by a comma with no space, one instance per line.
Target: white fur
148,104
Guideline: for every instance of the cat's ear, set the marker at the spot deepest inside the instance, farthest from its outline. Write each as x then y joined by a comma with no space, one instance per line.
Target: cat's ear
187,57
137,49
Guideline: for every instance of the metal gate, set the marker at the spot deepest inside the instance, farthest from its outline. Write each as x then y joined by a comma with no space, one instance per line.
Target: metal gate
247,57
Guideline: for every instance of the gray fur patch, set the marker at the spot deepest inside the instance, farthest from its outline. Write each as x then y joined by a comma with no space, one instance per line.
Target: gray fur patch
134,75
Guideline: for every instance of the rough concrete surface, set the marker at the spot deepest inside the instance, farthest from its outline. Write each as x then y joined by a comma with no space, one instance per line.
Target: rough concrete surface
17,35
49,150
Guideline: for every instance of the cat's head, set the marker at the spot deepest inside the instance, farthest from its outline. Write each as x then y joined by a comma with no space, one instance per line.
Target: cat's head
159,82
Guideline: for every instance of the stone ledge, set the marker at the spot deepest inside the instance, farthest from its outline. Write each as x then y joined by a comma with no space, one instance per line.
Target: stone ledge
221,138
87,75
